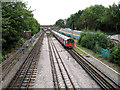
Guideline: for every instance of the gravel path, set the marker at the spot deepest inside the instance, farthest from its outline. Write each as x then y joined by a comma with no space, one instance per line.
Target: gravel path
44,75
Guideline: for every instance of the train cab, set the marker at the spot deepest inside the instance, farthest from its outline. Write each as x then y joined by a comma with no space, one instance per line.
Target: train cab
66,41
70,43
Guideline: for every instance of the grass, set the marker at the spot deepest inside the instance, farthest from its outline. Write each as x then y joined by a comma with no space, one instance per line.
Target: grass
78,50
83,48
90,51
97,55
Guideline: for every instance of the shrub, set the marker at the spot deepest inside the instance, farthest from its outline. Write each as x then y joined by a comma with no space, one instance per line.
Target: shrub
88,41
93,40
97,48
115,55
21,41
97,40
101,39
111,44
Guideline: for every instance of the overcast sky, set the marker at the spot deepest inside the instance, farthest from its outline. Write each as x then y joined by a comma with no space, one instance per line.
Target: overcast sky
47,12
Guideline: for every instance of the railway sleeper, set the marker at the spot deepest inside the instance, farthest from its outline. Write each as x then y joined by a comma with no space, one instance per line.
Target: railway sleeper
30,85
26,81
27,78
59,77
33,76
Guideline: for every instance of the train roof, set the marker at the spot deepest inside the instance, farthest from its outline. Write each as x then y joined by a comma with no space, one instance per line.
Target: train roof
62,36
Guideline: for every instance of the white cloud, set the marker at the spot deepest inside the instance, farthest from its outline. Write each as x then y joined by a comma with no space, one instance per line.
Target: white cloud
49,11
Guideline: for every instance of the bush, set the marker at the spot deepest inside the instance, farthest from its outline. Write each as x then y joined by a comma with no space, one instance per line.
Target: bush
21,41
101,39
88,41
97,40
93,40
97,48
115,55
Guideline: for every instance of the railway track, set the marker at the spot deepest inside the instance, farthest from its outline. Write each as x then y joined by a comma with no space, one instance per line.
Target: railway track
61,76
7,65
25,76
103,80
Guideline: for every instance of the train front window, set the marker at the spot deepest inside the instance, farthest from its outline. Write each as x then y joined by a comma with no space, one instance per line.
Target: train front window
70,41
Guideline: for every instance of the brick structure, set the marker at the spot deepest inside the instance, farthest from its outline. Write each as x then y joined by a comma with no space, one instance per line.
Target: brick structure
27,35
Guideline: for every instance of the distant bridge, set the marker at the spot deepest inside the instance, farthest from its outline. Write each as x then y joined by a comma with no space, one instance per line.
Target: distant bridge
47,26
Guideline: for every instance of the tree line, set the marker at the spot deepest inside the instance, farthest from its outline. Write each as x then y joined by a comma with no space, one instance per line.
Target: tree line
95,17
16,19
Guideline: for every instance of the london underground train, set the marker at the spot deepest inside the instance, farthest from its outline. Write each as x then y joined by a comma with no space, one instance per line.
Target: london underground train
66,41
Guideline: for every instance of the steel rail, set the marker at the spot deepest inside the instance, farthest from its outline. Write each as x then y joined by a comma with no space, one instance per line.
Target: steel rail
35,60
26,71
18,73
36,49
54,71
113,83
56,52
58,65
99,77
9,63
26,64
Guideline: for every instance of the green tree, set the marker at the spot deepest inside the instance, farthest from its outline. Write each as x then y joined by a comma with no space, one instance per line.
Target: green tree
14,22
112,18
60,23
92,17
32,25
75,20
96,17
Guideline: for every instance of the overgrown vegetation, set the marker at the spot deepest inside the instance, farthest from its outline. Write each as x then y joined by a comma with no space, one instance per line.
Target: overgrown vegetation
96,40
93,40
115,55
79,51
16,19
94,17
